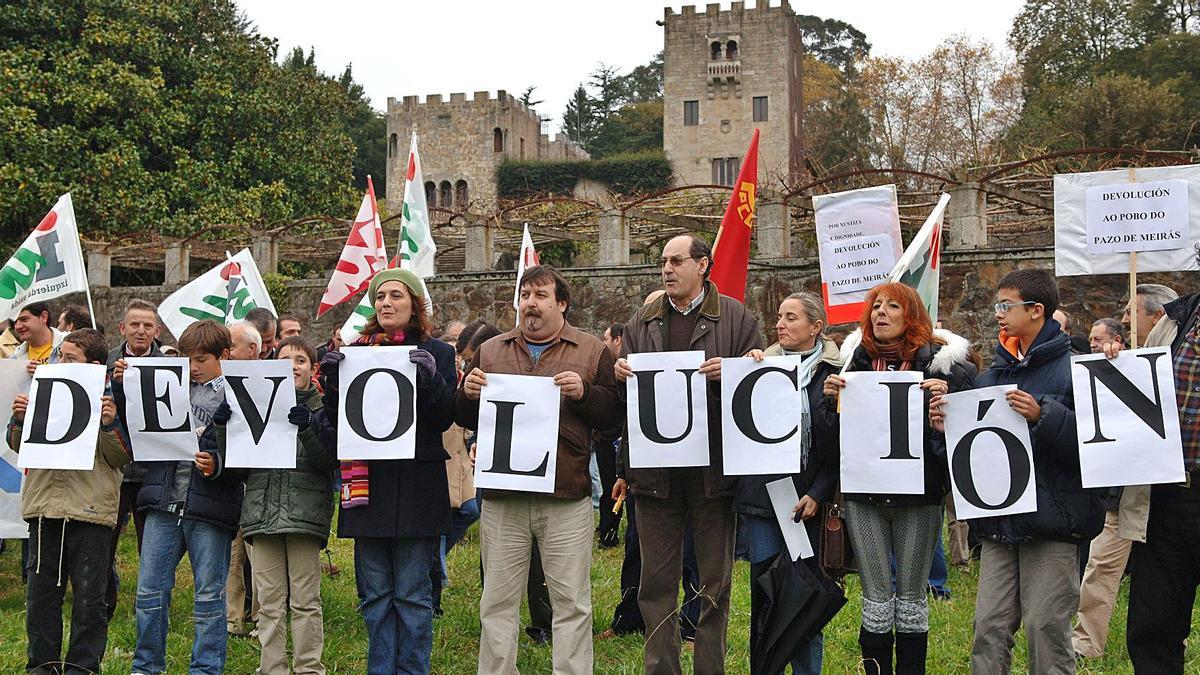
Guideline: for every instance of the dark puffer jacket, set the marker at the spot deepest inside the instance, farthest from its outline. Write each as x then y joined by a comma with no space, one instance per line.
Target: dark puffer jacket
950,362
215,499
1065,510
294,501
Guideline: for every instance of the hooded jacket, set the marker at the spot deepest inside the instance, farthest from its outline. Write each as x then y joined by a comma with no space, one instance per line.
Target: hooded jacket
950,362
56,337
725,328
819,478
1065,510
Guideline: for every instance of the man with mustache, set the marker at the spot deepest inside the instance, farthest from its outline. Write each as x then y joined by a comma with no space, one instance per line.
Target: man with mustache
691,315
543,344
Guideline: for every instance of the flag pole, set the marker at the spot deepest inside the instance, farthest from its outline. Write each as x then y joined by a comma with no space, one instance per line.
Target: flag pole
87,290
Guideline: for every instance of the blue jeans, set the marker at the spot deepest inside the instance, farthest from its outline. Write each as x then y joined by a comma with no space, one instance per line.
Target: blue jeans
165,541
461,520
395,598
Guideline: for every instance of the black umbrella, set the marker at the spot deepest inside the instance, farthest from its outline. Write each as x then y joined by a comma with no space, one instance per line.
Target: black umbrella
799,603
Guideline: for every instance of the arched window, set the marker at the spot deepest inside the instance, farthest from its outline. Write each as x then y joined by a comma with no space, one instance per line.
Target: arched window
430,193
716,50
497,140
444,196
393,140
731,49
460,195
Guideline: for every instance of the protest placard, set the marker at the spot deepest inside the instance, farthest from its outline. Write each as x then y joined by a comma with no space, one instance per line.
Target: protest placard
383,380
518,433
667,410
62,422
990,454
157,406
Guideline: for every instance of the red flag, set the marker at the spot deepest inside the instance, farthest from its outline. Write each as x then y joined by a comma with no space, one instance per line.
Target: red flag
731,252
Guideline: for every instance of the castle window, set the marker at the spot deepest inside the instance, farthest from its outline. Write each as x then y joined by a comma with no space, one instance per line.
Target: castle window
393,140
430,193
725,170
497,140
691,113
460,195
731,49
522,148
444,196
760,108
716,50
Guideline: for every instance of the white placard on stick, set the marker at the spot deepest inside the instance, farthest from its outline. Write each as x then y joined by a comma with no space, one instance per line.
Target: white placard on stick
1137,217
860,263
377,404
667,410
518,433
990,454
846,218
261,394
157,404
14,380
760,416
62,422
1072,254
882,430
1127,418
783,499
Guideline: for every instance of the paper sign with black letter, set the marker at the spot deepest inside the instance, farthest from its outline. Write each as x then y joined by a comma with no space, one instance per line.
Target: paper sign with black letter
783,499
518,433
1127,418
13,381
760,415
377,406
259,435
667,410
62,423
990,454
156,410
882,428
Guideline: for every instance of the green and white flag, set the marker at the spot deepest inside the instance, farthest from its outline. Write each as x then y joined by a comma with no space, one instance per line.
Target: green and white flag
49,264
416,248
919,267
226,293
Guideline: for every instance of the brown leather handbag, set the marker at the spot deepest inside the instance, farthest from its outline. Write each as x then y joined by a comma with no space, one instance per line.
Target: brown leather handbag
837,556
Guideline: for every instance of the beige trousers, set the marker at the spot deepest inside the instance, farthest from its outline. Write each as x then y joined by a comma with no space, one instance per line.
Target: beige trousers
1098,594
236,587
563,530
287,576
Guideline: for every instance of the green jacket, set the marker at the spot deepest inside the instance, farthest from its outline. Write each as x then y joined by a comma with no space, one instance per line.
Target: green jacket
293,501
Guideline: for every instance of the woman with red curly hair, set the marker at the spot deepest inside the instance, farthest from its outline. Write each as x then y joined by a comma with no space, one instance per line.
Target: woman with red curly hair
895,333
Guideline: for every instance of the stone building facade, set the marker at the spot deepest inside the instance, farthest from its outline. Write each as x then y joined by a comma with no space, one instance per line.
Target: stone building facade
462,141
725,73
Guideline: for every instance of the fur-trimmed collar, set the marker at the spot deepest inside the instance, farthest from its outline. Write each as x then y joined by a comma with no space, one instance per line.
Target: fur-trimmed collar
956,350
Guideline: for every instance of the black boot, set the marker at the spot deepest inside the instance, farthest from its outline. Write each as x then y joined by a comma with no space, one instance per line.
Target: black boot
876,652
910,653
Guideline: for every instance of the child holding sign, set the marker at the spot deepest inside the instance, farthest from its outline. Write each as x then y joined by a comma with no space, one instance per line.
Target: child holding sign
71,517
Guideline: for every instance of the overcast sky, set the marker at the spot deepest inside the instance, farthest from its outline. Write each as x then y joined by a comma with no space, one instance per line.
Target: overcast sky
416,47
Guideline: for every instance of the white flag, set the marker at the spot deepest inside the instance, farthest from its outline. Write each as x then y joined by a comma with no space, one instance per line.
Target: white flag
49,264
527,259
919,267
226,293
416,249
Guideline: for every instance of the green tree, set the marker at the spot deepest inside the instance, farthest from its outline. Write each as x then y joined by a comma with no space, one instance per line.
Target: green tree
644,83
834,42
636,127
580,120
163,116
367,128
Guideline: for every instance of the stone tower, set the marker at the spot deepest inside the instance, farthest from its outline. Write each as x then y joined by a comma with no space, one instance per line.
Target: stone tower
461,143
724,74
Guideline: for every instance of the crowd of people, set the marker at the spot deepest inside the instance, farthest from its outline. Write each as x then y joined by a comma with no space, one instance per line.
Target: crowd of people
259,533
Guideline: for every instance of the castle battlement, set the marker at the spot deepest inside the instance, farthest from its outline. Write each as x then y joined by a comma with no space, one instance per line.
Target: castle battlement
736,10
458,100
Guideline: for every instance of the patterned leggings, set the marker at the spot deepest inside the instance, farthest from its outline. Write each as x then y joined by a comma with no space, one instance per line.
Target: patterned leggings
878,532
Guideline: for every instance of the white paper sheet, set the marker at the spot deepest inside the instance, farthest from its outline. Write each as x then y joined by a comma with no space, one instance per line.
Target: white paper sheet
517,448
62,423
1116,445
783,500
760,416
261,394
990,454
883,449
377,404
156,410
13,380
667,410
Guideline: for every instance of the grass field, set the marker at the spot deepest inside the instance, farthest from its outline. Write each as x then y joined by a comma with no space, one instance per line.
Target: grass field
456,633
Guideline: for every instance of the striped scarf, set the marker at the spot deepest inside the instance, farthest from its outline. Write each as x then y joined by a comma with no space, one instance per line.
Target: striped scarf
356,483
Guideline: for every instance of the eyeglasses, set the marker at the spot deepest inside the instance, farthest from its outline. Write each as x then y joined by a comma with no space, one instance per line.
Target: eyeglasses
675,260
1003,307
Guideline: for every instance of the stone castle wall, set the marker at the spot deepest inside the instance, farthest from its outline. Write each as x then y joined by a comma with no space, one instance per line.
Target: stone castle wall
768,63
601,295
